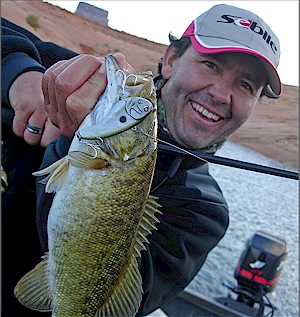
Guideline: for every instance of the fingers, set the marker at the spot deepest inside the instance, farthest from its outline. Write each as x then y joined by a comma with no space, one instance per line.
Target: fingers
20,121
27,100
50,133
66,93
72,88
46,78
82,101
62,80
124,65
36,124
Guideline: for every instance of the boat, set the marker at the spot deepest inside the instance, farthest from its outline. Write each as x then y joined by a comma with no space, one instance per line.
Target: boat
257,273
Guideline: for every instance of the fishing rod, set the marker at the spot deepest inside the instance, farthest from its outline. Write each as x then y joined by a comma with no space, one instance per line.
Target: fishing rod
7,118
230,162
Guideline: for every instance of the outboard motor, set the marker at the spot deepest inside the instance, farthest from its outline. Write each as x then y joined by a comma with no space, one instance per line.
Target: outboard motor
260,265
257,273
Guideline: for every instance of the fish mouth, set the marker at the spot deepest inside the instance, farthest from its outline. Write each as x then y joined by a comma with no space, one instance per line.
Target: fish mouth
123,106
205,113
113,61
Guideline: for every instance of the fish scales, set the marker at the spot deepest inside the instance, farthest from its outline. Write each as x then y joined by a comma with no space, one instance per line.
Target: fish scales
94,234
102,212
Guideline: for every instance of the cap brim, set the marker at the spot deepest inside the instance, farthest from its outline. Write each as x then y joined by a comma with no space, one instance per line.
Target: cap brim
225,46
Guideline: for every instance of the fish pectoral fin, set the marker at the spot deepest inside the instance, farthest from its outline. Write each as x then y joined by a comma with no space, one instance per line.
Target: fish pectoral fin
84,160
33,289
57,174
147,224
126,296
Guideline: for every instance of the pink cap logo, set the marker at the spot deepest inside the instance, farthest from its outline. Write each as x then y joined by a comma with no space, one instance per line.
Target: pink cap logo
244,22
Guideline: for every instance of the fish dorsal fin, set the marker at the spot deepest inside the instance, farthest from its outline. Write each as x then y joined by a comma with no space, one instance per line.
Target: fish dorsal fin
33,289
147,224
126,296
57,174
84,160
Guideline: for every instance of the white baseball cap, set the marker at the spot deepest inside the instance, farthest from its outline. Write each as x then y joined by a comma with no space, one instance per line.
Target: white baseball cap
226,28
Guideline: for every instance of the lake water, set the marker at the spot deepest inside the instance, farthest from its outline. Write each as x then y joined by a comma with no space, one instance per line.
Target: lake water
256,202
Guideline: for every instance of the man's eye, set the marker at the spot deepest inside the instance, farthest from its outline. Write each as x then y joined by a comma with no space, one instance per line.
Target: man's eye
246,86
210,65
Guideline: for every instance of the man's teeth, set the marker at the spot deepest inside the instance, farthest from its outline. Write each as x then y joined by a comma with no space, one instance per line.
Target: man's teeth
204,112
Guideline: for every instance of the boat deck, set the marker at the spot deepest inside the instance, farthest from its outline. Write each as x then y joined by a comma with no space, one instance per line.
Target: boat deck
192,304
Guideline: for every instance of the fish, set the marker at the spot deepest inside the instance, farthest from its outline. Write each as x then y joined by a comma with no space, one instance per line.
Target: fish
102,211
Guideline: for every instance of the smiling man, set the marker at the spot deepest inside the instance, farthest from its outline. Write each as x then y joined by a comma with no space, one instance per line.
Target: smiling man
214,99
209,81
215,74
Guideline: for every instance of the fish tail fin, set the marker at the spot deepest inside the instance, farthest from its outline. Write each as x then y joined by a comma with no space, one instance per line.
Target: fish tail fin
57,174
33,289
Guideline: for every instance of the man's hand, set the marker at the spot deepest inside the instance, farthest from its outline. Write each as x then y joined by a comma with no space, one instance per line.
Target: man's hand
27,100
73,87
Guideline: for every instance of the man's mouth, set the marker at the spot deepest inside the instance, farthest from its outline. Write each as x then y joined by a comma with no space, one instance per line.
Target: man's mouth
204,112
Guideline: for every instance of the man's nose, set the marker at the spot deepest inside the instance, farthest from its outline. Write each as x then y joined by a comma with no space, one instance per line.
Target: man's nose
221,92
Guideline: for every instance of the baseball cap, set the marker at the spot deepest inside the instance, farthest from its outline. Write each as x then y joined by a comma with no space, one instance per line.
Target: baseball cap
225,28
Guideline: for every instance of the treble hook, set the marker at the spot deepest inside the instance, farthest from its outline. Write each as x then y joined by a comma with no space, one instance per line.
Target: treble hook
135,76
94,147
147,134
123,82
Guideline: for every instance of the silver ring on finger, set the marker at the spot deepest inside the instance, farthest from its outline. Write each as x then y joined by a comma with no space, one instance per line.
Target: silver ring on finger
34,129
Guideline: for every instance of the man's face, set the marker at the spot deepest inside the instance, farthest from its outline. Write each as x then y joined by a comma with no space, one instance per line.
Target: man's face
208,97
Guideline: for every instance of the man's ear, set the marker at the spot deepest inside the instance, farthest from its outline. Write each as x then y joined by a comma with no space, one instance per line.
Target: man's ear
169,62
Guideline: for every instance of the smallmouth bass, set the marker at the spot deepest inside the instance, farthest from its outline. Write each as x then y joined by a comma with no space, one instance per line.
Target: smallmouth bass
102,212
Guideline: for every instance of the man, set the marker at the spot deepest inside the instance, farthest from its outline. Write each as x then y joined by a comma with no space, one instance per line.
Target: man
210,81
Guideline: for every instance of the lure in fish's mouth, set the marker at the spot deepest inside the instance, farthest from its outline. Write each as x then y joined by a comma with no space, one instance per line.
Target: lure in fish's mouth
124,104
125,114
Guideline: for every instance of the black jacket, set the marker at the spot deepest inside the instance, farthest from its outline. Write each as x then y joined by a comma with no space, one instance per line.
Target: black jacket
20,250
194,218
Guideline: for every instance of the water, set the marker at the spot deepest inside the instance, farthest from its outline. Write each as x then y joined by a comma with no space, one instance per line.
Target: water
256,202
